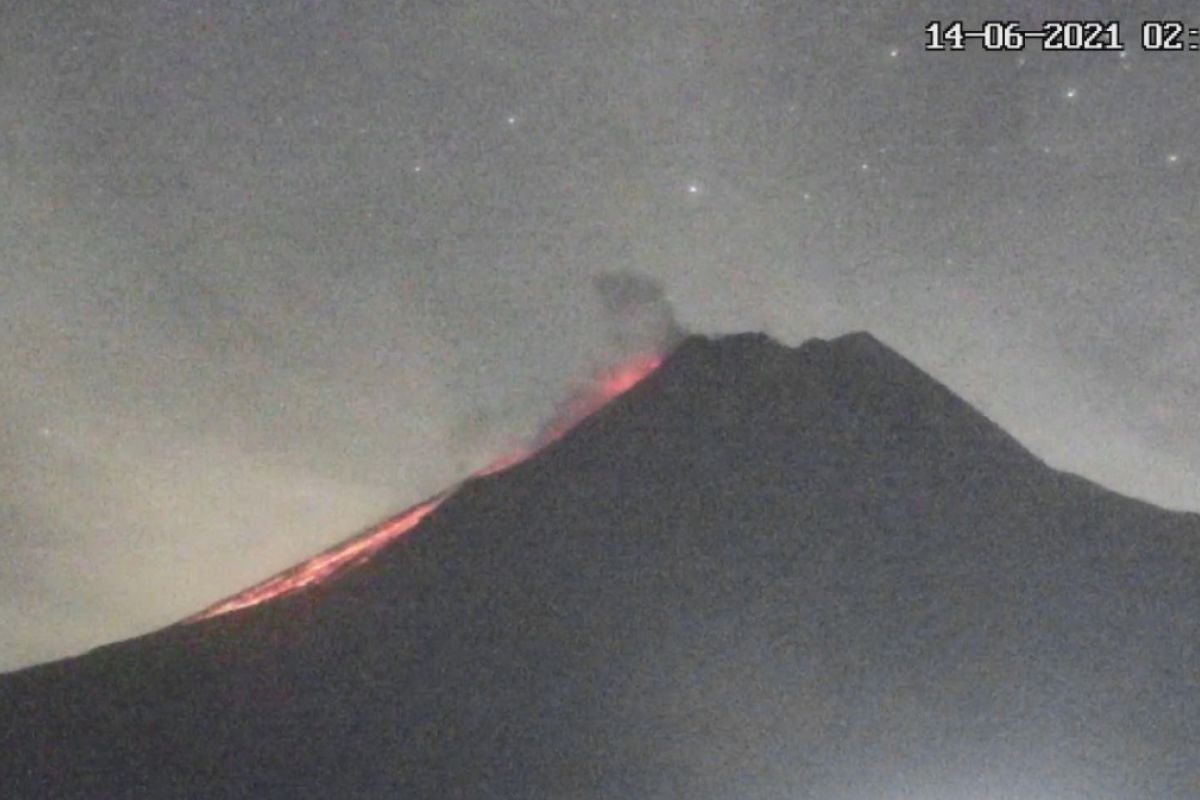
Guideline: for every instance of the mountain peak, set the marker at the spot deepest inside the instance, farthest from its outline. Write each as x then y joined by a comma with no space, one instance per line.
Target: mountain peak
762,571
853,389
860,339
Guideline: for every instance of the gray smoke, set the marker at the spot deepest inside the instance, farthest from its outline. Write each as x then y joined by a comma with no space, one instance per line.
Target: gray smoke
638,314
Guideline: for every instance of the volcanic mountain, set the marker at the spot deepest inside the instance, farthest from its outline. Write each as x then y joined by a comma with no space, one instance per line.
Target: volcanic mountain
761,572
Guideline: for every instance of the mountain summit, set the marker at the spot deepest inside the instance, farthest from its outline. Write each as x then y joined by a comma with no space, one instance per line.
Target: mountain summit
761,572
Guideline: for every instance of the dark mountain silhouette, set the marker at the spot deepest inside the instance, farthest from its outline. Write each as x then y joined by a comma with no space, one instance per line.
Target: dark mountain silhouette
763,572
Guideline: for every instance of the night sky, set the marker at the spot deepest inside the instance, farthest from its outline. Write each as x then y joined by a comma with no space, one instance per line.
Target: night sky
274,270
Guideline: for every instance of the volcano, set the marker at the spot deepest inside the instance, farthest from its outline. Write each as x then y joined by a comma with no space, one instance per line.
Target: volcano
759,572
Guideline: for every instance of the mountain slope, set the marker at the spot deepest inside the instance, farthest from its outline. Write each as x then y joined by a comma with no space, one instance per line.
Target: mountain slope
762,572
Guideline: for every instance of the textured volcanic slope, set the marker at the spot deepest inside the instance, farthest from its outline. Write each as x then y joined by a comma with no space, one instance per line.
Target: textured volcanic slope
762,573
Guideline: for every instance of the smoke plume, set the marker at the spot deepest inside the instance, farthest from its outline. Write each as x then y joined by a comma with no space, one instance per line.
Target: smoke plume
639,315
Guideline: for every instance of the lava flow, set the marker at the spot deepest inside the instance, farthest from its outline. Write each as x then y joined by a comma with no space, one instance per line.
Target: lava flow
357,550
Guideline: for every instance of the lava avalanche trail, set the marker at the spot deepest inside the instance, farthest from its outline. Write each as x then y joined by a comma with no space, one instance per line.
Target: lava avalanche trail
359,549
766,571
323,566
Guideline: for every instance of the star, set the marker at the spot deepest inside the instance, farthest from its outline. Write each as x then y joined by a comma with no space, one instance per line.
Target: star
895,53
693,188
511,120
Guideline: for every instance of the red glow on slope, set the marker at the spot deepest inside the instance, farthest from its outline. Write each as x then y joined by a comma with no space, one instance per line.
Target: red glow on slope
504,462
320,567
603,390
347,554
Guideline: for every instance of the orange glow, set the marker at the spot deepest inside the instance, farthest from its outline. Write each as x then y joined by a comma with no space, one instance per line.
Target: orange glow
627,376
607,387
504,462
320,567
357,550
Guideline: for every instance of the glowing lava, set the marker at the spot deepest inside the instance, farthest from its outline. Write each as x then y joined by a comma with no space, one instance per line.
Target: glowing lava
357,550
616,382
320,567
605,388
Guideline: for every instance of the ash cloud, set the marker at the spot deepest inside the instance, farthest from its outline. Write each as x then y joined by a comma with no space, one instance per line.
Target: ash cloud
637,319
637,312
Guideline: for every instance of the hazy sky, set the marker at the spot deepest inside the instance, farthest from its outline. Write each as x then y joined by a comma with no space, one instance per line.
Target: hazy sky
272,270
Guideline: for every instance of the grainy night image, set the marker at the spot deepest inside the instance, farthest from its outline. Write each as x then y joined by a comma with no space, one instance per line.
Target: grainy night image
556,399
